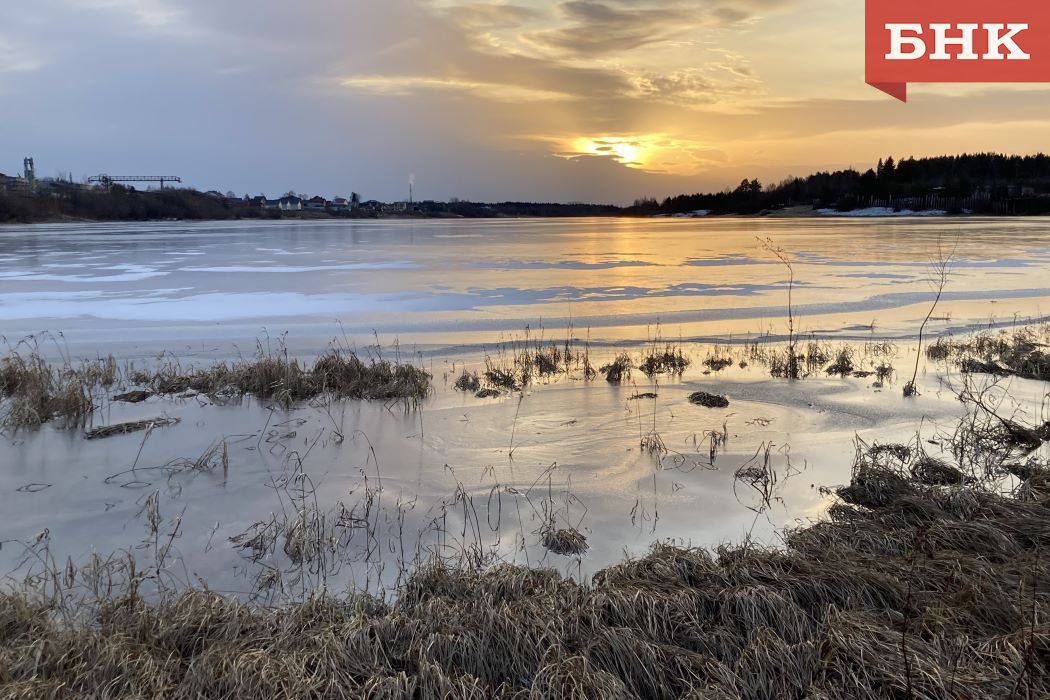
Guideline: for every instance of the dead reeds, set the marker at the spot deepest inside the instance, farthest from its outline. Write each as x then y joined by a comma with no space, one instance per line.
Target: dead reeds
566,542
34,391
907,590
1021,353
105,431
668,360
617,371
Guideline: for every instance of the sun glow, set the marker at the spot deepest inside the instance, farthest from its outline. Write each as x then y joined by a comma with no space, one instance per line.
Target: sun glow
652,153
632,152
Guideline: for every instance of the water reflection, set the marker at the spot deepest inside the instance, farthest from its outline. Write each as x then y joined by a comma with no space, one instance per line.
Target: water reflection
436,282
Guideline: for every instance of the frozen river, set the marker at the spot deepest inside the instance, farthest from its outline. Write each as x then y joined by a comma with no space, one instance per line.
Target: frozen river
464,474
181,287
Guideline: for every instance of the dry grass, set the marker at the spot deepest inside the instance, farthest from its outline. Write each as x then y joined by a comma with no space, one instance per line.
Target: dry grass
469,382
717,363
924,582
499,378
564,542
908,590
517,364
702,398
280,378
137,396
34,391
843,366
617,371
653,443
817,357
667,360
553,359
105,431
1022,353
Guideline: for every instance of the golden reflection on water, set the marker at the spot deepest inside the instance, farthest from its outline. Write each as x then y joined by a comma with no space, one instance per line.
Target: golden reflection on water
714,278
449,282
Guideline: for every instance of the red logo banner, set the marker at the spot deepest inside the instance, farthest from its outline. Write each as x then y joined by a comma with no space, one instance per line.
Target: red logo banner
956,41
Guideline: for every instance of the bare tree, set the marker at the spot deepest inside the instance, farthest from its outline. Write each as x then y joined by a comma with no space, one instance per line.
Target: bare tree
940,271
791,366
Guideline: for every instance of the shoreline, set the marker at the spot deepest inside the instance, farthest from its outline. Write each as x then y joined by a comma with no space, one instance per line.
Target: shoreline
807,213
921,577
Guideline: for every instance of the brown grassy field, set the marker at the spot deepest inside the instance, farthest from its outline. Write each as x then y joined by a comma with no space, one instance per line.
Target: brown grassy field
922,583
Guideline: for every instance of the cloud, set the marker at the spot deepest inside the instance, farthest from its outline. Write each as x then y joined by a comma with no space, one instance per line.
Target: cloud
407,85
692,87
595,28
148,14
17,57
488,16
581,99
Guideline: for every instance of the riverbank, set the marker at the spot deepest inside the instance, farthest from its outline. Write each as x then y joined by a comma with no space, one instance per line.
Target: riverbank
119,205
924,576
926,581
788,213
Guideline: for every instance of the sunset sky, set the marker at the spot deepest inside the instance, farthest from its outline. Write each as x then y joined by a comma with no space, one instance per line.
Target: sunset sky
603,100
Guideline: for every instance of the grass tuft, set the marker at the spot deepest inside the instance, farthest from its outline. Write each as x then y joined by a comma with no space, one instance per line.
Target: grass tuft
35,392
564,542
702,398
668,360
617,371
468,382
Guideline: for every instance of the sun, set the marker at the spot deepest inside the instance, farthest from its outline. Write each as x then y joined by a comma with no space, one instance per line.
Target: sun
624,150
649,152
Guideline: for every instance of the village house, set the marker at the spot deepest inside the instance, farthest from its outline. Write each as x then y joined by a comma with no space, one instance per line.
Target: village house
290,204
282,204
294,203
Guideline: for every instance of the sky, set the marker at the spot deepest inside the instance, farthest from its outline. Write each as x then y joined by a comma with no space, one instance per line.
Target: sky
577,100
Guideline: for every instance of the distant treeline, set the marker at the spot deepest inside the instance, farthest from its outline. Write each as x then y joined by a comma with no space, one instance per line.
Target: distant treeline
126,204
983,183
122,204
477,210
979,184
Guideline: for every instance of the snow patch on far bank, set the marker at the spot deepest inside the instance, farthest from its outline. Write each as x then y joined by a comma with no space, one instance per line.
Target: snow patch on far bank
880,211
